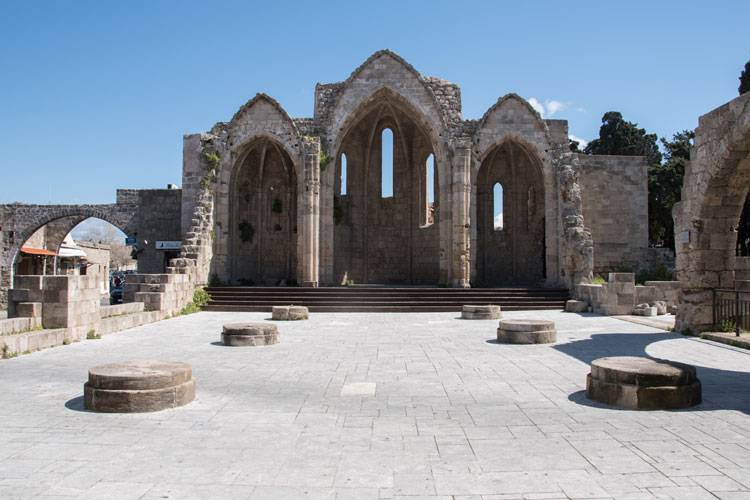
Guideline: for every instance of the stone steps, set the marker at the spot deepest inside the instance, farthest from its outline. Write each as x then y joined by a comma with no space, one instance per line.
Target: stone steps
381,299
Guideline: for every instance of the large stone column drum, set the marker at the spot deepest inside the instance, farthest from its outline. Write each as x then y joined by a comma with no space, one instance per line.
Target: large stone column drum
138,386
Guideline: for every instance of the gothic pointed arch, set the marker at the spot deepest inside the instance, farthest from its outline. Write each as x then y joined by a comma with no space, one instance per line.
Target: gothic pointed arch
386,240
713,193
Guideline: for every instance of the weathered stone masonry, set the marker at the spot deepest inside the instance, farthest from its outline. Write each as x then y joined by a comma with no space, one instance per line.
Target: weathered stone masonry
262,200
280,214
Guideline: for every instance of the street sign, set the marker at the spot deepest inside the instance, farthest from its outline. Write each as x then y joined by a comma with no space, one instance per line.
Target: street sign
168,245
131,241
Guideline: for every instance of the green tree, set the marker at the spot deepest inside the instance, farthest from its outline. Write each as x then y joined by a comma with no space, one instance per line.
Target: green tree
620,137
664,186
745,79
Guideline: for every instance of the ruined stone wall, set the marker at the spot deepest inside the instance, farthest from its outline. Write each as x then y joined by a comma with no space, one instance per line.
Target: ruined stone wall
159,211
714,190
614,190
67,301
567,251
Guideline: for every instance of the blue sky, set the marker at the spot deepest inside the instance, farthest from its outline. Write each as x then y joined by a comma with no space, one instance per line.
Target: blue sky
97,95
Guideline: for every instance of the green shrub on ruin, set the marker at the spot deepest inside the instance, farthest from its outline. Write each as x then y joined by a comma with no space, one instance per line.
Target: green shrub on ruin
247,231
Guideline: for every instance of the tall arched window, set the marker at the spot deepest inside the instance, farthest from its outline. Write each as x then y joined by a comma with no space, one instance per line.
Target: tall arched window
343,174
497,211
431,179
386,164
427,196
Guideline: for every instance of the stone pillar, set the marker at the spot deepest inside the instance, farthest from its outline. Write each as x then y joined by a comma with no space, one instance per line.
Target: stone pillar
704,261
461,219
577,249
309,212
192,174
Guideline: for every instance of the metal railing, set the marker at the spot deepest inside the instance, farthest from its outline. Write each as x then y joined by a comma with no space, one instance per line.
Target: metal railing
731,309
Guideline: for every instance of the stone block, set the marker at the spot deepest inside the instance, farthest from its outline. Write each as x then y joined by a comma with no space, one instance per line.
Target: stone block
645,294
613,310
29,309
249,334
139,386
644,310
576,306
526,331
621,278
642,383
289,313
661,307
486,311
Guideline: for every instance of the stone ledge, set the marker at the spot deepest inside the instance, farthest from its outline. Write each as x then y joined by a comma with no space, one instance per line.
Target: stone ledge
119,309
729,338
15,326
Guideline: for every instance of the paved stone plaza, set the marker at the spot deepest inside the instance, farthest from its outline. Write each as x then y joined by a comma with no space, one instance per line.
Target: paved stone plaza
376,406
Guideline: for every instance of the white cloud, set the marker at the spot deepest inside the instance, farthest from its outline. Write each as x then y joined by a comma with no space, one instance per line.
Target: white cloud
581,143
499,221
553,106
538,106
548,108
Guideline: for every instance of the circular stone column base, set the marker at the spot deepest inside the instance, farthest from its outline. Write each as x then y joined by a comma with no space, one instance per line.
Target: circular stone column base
526,331
643,383
485,311
289,313
249,334
138,386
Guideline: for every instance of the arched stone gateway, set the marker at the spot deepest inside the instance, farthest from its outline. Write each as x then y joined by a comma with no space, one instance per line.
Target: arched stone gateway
713,192
19,221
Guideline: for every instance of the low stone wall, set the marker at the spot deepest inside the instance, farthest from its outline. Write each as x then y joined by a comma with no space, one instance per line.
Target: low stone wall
33,341
17,325
69,309
41,339
120,309
159,292
666,291
70,302
620,295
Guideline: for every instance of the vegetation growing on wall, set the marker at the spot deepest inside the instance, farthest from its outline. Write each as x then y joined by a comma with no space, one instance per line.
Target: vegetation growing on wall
324,160
247,231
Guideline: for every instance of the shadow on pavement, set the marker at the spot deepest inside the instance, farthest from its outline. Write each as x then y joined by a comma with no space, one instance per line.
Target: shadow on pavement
722,389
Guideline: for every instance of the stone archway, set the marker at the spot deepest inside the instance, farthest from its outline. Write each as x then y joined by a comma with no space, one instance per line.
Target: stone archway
713,192
20,221
515,254
394,238
263,215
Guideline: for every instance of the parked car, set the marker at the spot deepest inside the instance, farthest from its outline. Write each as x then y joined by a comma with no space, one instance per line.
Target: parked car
115,296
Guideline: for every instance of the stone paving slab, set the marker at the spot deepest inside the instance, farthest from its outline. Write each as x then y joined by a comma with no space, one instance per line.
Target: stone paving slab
377,406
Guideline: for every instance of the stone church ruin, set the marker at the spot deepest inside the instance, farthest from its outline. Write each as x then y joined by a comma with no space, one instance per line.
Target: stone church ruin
386,184
303,199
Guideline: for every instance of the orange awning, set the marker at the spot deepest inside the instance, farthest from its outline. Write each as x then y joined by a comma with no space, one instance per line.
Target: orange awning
37,251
